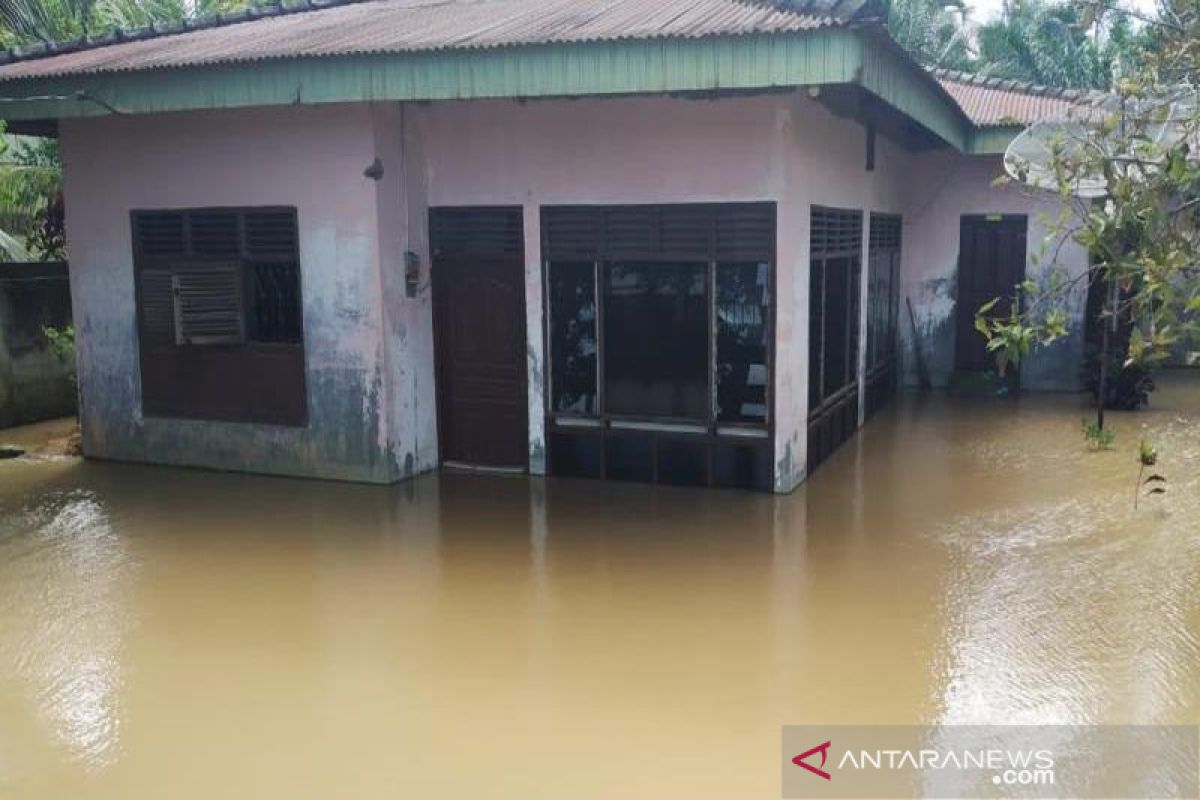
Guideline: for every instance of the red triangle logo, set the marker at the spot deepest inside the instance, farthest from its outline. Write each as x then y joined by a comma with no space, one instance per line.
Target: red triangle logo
823,749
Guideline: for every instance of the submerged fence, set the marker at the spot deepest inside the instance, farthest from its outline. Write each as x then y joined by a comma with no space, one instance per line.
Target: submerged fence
34,383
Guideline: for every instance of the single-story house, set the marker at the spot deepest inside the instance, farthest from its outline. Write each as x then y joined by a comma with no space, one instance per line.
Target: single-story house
659,240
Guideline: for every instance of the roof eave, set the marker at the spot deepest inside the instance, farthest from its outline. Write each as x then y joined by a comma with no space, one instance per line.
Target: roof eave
831,55
992,139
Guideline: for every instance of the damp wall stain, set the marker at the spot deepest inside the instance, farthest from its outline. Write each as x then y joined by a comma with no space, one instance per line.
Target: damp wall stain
248,157
369,345
944,187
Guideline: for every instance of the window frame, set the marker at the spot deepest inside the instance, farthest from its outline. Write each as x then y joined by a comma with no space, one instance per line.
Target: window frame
163,360
833,418
603,424
885,249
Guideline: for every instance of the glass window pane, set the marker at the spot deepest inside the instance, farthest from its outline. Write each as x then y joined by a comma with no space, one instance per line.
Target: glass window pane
573,337
656,340
275,303
743,301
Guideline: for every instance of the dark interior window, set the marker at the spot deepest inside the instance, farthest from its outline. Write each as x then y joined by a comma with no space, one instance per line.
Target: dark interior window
656,340
274,311
573,337
838,320
219,314
659,329
835,247
883,290
816,332
742,305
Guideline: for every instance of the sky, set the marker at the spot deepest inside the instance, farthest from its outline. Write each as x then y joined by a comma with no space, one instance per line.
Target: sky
984,10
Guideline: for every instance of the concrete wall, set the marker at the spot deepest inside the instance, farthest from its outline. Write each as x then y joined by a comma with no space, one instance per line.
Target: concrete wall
309,157
826,166
944,186
34,383
369,348
780,147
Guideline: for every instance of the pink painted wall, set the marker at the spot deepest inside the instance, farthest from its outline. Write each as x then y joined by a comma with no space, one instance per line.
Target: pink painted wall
309,157
943,187
369,345
827,167
781,147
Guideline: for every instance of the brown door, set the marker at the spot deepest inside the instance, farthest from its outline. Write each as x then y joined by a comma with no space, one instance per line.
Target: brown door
991,263
479,329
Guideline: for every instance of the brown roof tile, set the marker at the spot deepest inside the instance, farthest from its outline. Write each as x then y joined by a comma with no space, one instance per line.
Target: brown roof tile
991,102
394,26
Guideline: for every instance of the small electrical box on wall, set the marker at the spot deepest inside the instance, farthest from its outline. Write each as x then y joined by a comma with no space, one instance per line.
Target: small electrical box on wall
412,273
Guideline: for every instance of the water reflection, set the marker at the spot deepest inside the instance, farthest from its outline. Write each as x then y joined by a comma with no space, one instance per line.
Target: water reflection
64,572
196,634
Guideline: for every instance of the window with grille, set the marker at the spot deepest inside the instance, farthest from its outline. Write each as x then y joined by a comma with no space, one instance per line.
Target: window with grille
659,322
883,307
219,314
835,253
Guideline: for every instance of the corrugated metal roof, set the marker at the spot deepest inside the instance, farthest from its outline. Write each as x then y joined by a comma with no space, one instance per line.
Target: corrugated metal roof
992,102
405,26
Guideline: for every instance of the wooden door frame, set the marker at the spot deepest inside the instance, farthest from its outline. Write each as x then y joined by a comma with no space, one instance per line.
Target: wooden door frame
1014,374
441,388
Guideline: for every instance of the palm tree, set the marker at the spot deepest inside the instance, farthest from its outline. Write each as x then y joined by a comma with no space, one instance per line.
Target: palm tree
30,179
45,21
935,32
1058,44
141,13
30,172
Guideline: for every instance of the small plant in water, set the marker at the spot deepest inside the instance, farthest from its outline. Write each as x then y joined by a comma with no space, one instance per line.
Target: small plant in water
62,344
1097,438
1155,483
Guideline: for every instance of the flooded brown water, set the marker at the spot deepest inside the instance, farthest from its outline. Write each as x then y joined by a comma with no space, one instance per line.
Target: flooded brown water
182,634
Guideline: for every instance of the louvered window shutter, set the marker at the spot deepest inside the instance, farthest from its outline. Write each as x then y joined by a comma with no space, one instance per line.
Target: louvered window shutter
208,305
158,306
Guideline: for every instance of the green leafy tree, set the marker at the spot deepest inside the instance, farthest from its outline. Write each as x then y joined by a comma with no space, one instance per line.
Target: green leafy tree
30,174
935,32
1063,44
141,13
45,21
24,22
1139,218
30,179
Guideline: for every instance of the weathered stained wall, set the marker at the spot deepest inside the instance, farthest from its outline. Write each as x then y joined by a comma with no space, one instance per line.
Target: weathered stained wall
309,157
783,147
825,166
369,346
943,187
628,150
34,383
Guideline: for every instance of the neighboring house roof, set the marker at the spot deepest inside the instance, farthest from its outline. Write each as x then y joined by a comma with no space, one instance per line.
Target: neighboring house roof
995,102
409,26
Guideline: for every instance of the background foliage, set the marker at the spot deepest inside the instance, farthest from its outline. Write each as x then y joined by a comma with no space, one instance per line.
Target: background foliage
1049,42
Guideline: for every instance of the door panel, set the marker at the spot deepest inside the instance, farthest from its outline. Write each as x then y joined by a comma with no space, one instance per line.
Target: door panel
991,263
480,312
479,327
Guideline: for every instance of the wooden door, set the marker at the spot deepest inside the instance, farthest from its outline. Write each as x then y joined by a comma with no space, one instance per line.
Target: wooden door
991,264
479,328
